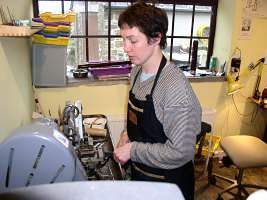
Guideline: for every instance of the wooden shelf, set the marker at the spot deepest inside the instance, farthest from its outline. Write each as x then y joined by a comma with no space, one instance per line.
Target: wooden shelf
16,31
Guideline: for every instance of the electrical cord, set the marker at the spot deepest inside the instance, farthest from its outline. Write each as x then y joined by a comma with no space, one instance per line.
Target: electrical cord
253,114
244,115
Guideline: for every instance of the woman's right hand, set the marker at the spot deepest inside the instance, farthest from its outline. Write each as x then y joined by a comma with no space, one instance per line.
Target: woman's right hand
124,139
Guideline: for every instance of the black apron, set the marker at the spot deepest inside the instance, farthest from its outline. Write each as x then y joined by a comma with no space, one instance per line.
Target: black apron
143,126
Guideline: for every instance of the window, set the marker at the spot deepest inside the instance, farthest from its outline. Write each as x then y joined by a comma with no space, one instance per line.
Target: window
95,34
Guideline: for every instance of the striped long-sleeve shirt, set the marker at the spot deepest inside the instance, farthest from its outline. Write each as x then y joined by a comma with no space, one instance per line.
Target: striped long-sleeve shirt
178,109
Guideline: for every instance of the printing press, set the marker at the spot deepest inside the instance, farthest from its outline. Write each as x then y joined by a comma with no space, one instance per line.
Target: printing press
44,153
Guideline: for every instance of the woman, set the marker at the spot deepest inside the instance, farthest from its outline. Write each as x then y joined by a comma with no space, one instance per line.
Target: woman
164,115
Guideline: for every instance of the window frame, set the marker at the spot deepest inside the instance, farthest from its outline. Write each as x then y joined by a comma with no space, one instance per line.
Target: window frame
194,3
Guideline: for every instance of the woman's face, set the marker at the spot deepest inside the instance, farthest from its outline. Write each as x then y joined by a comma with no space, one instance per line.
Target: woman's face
136,45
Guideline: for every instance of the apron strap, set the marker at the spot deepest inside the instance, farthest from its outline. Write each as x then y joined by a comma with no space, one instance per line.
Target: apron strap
161,66
135,78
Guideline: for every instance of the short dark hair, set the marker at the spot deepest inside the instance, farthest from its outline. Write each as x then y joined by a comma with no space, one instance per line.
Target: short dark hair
149,19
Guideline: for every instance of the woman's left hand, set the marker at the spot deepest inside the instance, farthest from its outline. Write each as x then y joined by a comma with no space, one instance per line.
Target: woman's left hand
123,153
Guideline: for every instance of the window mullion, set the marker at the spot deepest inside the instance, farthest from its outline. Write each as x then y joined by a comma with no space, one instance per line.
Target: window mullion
192,31
86,31
109,30
173,18
35,8
62,6
212,31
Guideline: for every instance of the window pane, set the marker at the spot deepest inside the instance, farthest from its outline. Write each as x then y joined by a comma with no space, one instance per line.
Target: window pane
180,52
98,49
98,18
71,53
76,52
183,20
78,27
202,52
202,21
96,24
116,9
168,9
117,52
50,6
68,6
166,51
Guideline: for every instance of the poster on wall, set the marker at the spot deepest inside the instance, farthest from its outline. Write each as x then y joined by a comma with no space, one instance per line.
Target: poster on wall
246,27
255,8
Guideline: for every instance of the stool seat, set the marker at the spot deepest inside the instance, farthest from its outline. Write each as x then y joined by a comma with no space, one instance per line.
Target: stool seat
245,151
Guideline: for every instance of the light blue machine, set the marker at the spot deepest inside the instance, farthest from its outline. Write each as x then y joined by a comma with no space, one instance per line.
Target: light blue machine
38,154
97,190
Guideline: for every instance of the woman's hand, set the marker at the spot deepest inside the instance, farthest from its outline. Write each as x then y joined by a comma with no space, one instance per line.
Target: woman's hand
123,153
124,139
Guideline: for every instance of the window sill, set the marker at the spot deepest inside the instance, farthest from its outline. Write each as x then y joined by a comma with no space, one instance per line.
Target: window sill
72,82
207,78
91,81
95,82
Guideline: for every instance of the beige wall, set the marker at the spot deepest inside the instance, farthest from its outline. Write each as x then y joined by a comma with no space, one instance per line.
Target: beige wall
111,100
252,49
108,100
231,119
16,103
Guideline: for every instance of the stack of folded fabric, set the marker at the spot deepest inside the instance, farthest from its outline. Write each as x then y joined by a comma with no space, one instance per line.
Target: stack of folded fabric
56,29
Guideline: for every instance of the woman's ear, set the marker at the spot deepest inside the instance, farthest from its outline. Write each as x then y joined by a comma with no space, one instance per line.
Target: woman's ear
155,40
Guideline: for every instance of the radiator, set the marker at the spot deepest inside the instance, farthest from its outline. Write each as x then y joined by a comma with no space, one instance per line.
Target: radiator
118,122
116,125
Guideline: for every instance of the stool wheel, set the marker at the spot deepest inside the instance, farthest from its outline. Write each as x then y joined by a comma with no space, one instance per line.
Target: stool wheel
212,180
219,197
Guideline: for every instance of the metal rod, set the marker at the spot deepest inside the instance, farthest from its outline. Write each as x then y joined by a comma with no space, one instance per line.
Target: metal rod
10,16
3,15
